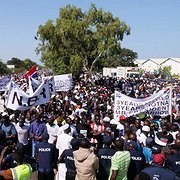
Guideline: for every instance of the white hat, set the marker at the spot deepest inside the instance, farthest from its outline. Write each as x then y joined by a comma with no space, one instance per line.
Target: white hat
113,121
146,128
106,119
65,127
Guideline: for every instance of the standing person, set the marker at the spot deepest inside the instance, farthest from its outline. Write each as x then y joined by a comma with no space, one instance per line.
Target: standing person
105,154
137,162
86,162
119,162
52,130
68,157
157,171
37,128
173,161
22,132
20,172
8,128
46,156
64,139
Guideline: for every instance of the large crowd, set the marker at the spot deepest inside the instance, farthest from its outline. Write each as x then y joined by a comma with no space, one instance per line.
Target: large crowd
75,135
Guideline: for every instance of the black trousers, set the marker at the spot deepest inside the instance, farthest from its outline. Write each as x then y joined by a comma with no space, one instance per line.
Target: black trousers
70,175
46,175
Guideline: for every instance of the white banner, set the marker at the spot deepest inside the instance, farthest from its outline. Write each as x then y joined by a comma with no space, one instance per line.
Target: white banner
63,82
33,85
158,104
52,87
4,81
19,100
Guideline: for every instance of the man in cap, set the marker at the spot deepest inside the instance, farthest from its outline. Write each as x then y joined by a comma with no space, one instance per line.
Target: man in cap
143,136
64,139
46,156
157,171
137,162
104,156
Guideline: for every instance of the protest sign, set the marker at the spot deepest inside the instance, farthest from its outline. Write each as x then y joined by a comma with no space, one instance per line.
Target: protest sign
4,81
158,104
63,82
19,100
52,87
33,85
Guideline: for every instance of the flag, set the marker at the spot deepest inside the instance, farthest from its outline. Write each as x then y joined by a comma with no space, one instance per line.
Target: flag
32,72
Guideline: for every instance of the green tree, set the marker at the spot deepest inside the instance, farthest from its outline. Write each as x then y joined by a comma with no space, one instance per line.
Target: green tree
28,64
78,40
19,64
165,72
3,68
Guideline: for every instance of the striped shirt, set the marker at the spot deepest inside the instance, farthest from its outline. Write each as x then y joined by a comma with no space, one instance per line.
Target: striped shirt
120,162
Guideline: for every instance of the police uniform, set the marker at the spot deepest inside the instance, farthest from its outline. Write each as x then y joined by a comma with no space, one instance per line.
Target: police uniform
67,155
159,173
105,155
46,154
173,163
137,163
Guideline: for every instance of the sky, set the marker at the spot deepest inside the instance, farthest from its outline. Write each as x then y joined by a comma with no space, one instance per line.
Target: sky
155,27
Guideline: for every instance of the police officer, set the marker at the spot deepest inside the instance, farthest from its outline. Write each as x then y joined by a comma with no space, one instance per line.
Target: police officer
105,155
67,156
21,171
137,162
173,161
46,155
157,172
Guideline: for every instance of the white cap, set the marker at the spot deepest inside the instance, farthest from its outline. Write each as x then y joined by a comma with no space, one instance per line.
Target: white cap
65,127
113,121
106,119
146,128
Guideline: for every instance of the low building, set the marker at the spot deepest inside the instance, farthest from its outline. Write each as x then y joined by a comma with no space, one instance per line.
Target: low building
151,65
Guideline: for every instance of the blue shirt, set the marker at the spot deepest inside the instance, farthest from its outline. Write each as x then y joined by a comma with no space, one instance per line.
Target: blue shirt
9,129
46,153
37,129
105,154
159,173
137,163
173,163
67,155
148,154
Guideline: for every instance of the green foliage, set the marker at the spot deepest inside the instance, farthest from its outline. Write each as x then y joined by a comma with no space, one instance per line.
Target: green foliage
21,65
165,72
78,40
3,69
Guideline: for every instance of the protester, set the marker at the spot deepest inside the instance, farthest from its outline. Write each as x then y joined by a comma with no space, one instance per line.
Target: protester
46,156
119,162
86,162
89,111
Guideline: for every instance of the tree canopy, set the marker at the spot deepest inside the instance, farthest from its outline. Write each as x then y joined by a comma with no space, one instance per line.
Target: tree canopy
21,65
77,40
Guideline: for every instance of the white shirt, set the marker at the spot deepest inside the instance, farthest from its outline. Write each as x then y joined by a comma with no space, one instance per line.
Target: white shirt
142,138
53,132
63,142
22,133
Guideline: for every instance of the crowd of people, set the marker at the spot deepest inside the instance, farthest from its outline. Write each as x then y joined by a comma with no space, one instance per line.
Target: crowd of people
77,129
